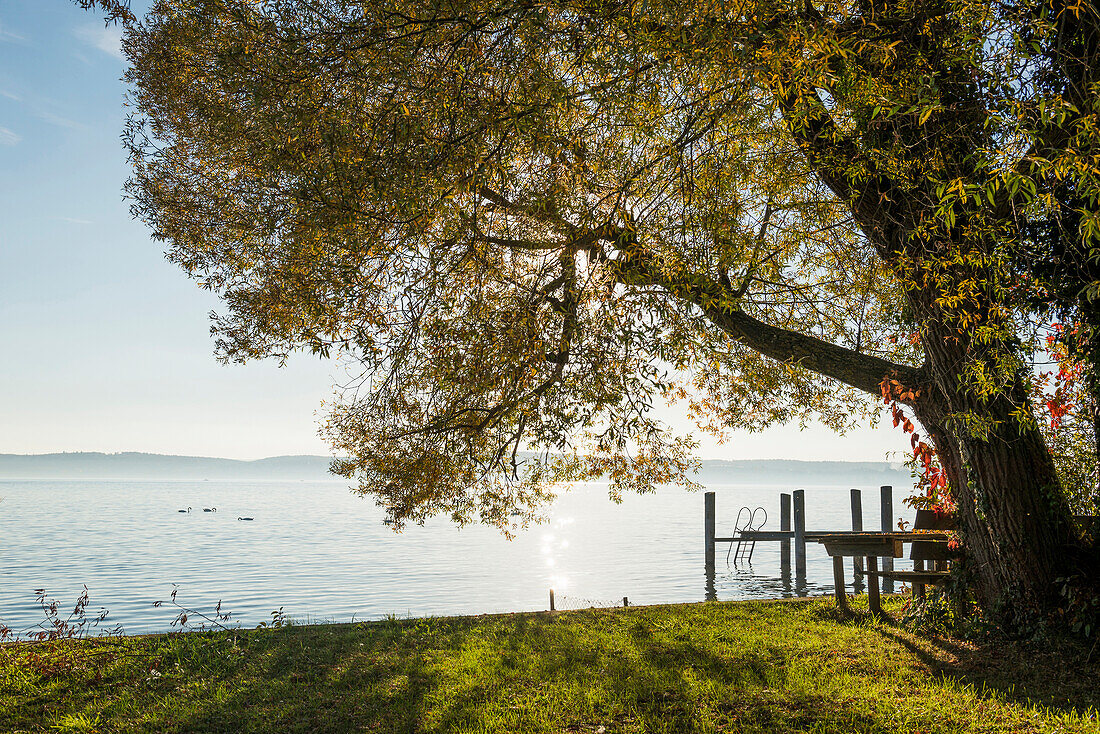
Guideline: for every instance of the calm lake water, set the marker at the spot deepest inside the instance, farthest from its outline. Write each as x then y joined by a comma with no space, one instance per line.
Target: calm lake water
322,553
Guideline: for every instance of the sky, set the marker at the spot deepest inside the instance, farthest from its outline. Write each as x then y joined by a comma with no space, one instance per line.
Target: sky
104,345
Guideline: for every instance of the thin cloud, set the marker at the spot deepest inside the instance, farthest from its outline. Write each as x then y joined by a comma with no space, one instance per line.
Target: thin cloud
107,39
9,137
7,36
58,120
37,107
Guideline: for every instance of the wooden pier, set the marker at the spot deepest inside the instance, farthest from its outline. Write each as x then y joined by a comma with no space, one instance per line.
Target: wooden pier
867,549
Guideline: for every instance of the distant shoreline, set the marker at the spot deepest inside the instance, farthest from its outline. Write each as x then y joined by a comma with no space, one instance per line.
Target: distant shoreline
152,467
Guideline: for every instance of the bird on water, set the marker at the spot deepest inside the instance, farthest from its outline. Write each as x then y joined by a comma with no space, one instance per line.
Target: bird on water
210,509
244,518
187,510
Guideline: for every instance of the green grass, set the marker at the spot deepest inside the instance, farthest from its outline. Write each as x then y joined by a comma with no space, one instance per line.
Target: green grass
716,667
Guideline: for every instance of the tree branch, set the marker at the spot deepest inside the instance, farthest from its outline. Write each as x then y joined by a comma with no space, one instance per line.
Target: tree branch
861,371
834,158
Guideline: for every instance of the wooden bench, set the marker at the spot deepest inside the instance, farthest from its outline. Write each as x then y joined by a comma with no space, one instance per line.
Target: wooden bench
926,551
929,539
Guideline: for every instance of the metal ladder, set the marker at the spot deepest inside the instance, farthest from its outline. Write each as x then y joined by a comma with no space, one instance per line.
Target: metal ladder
742,548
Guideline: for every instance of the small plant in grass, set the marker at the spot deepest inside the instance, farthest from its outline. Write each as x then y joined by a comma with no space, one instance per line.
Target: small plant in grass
192,620
279,619
50,648
77,723
932,615
77,624
946,610
57,625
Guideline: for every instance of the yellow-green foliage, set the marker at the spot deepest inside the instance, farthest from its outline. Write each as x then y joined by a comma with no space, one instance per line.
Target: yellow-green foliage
522,223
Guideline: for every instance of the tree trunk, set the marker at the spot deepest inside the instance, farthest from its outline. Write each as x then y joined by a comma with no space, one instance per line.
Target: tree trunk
1014,518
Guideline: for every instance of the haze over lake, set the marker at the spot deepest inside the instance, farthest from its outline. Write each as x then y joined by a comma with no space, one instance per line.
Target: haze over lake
322,553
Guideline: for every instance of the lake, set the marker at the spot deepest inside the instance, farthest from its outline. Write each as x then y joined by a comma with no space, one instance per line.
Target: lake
323,554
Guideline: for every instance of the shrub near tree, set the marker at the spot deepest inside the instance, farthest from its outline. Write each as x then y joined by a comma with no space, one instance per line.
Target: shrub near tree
525,222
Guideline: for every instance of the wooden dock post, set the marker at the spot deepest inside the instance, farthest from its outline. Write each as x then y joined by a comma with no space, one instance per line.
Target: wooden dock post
857,526
873,601
785,525
887,511
551,600
838,583
708,530
800,536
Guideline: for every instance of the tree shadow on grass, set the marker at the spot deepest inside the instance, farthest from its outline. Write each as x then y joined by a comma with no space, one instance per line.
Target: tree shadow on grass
1062,674
701,668
303,679
1052,673
531,673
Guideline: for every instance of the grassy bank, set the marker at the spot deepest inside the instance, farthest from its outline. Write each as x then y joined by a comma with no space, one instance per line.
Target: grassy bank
719,667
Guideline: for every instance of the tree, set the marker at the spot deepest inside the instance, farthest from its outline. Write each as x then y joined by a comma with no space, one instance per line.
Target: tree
114,10
524,221
1061,258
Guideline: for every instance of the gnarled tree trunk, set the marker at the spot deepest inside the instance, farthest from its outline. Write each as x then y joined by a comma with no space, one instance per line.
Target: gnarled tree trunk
1014,517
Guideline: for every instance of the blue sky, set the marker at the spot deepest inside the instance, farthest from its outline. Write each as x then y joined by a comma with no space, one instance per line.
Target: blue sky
104,346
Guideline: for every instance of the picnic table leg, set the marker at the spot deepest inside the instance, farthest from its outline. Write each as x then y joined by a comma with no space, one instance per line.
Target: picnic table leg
838,583
918,589
872,585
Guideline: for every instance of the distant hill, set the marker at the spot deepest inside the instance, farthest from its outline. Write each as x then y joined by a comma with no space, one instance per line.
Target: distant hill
132,465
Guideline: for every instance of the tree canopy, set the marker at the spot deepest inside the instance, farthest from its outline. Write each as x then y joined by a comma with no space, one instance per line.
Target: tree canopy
115,11
523,222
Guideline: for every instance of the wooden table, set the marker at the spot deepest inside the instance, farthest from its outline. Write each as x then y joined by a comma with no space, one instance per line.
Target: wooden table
872,546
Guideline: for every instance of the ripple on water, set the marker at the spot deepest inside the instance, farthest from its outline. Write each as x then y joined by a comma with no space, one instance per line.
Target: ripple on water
321,552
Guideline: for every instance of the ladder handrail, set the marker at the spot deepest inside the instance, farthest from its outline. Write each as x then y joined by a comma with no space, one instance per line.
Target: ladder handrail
745,547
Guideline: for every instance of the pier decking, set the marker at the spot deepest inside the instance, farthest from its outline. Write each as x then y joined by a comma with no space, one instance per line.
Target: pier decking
867,549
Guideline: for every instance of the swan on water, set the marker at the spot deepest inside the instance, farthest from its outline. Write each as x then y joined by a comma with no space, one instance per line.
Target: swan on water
187,510
210,509
244,518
